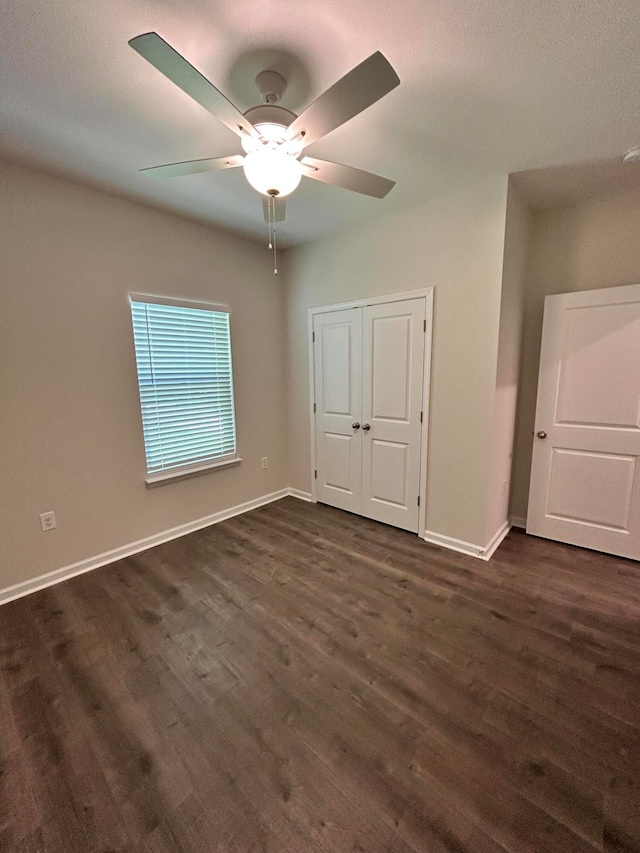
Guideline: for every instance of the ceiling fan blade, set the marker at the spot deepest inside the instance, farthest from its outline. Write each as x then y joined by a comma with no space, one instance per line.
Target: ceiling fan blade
347,177
280,209
174,66
353,93
193,167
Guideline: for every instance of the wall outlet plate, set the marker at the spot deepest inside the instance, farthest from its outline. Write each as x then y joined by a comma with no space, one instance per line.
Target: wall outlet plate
48,520
264,462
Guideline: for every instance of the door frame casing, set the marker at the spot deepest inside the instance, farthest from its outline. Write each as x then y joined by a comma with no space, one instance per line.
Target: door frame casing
427,295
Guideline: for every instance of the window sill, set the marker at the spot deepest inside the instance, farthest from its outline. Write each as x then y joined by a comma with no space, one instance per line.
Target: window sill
154,480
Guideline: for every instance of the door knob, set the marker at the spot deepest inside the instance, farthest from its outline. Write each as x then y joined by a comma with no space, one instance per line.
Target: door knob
366,427
541,433
356,425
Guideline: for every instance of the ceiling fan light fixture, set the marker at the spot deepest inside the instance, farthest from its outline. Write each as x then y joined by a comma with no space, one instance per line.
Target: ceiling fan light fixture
272,173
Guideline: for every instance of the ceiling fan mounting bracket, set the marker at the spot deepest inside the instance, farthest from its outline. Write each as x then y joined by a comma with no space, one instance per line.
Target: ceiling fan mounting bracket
271,86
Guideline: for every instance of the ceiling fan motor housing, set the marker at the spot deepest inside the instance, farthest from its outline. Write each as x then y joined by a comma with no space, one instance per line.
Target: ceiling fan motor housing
270,114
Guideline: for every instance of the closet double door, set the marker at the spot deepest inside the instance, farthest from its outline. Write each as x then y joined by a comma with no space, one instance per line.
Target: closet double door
369,377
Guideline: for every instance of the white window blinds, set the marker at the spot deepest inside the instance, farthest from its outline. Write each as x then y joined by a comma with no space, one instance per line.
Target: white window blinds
183,354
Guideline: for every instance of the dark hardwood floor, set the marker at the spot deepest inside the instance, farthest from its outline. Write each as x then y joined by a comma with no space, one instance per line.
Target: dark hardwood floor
300,679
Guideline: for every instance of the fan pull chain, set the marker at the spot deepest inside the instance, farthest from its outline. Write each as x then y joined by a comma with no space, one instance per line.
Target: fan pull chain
271,222
275,245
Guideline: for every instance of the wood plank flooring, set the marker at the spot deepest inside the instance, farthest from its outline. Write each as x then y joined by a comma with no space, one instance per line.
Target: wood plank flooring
301,679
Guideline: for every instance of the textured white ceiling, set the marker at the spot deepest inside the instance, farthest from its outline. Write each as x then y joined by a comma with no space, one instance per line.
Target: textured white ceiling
486,86
572,184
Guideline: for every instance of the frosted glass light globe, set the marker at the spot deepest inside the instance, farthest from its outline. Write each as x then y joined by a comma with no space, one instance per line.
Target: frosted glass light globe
272,172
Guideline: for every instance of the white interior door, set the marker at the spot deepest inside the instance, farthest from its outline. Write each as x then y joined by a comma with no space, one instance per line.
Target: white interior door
585,477
338,401
369,375
393,366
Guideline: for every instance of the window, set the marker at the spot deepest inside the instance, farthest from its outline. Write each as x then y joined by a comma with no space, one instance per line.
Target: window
183,354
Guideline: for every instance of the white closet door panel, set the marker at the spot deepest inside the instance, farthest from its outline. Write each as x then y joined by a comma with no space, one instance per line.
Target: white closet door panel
389,472
392,393
338,395
585,475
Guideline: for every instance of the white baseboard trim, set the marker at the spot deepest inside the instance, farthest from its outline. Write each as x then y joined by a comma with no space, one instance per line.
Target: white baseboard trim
58,575
302,496
481,552
516,521
453,544
494,542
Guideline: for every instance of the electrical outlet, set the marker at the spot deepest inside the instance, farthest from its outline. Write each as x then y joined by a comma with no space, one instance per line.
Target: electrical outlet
264,463
504,488
48,520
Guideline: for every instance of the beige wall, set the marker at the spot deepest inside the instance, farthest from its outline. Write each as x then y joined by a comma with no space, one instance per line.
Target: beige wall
582,247
70,423
70,431
517,242
455,244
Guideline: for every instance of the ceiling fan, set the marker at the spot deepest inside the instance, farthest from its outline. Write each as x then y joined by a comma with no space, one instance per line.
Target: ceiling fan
273,137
